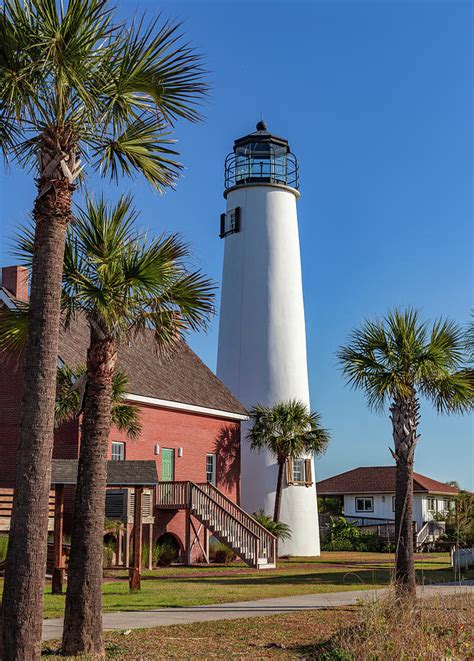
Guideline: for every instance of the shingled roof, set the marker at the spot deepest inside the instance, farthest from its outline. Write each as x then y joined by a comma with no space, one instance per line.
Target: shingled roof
377,479
119,473
181,377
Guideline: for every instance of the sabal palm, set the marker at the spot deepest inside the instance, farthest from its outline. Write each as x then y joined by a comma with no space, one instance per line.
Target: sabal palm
287,430
124,285
75,85
394,361
125,417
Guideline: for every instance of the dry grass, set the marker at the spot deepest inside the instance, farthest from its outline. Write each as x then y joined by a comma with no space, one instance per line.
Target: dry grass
428,629
433,629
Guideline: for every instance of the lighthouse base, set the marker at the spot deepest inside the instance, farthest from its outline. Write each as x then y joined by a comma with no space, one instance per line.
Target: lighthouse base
299,509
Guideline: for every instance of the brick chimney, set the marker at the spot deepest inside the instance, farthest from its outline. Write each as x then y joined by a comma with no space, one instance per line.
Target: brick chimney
15,279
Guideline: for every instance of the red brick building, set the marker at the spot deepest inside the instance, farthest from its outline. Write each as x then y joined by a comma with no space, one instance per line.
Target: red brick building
190,421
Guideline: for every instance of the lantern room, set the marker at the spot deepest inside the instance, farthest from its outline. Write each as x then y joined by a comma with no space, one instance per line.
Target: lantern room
261,158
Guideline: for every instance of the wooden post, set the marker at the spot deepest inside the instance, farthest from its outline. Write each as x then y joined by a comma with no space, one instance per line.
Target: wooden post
150,546
135,571
127,546
206,544
119,547
188,536
58,567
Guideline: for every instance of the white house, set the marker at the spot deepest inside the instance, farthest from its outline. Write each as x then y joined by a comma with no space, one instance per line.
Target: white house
368,492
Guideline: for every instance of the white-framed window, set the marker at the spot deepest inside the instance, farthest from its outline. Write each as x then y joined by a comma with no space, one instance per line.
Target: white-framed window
118,451
299,472
393,503
364,504
449,504
431,504
211,468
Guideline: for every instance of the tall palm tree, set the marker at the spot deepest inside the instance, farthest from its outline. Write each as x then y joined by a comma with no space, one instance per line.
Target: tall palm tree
394,361
124,285
74,85
288,430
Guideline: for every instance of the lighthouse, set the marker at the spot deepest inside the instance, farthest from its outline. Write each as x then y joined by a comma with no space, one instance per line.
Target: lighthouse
262,337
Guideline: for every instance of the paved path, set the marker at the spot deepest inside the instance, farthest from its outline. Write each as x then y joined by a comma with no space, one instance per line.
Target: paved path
166,616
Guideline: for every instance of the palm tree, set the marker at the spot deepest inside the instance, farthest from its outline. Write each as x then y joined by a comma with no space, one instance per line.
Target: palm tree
288,430
124,416
125,285
74,85
393,361
279,529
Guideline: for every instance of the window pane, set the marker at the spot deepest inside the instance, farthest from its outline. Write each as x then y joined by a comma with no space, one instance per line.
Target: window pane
118,451
364,505
298,470
211,468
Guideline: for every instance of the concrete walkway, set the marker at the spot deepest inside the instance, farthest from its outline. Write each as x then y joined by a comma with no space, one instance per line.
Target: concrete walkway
165,616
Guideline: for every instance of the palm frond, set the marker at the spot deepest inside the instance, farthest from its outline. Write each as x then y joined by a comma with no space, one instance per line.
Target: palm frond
287,429
399,355
126,417
142,147
114,89
155,69
13,328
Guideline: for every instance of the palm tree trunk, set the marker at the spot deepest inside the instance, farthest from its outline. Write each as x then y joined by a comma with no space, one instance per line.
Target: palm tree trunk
83,614
404,416
281,470
26,558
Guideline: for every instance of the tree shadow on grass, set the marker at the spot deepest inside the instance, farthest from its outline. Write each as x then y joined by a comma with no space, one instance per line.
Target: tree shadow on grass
341,578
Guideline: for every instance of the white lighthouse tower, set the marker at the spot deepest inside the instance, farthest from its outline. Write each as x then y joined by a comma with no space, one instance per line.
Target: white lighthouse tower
262,338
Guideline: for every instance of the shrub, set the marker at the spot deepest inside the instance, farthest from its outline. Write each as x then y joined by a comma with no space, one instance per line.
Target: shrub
344,536
277,528
220,553
164,553
108,554
3,548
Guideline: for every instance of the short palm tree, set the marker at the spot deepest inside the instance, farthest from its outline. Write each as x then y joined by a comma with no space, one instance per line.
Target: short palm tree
69,400
74,85
288,430
124,285
279,529
394,361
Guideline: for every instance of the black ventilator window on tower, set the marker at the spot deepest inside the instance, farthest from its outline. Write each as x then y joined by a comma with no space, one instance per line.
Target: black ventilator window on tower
230,222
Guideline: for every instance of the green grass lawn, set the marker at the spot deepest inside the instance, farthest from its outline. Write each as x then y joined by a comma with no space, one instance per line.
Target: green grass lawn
201,585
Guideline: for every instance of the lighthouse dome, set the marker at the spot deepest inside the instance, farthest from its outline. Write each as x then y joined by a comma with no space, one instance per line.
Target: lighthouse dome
261,157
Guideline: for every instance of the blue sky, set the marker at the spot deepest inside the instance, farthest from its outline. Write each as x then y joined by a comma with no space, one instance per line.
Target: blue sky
376,101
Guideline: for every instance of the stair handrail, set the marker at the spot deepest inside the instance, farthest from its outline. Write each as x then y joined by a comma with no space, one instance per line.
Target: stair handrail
227,515
196,486
240,510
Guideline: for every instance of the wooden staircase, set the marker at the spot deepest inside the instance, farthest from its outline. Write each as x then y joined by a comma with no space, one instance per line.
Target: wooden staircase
228,522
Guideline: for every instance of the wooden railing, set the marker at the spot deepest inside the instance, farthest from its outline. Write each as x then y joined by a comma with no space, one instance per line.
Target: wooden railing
227,521
430,531
173,495
224,526
6,505
267,540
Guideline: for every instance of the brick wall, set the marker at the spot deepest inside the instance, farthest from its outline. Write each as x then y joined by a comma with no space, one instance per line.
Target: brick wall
196,434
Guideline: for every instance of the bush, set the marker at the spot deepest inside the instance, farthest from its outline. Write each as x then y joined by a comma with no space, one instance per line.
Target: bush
164,553
344,536
277,528
220,553
108,554
3,548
